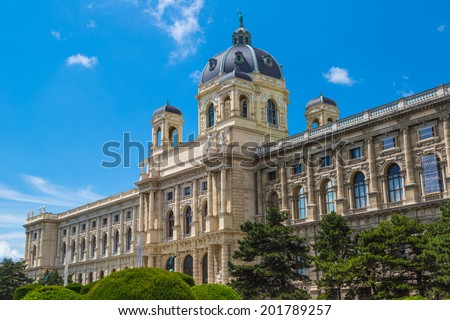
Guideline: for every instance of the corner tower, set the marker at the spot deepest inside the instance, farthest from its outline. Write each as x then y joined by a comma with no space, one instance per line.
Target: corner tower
167,128
242,91
320,111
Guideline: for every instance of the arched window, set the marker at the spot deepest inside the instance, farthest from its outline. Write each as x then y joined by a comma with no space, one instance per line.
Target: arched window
301,203
210,120
72,250
82,248
273,200
80,278
104,243
159,137
173,136
188,265
129,239
170,224
116,241
315,123
330,120
271,112
93,245
205,269
91,277
329,197
205,214
188,220
394,183
359,190
244,108
432,174
102,274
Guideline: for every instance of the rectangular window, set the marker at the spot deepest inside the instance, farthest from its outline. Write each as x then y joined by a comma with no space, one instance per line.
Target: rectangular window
83,227
388,143
355,153
426,133
271,176
187,191
94,224
34,235
169,196
325,161
74,229
204,185
105,221
128,215
116,218
298,169
64,232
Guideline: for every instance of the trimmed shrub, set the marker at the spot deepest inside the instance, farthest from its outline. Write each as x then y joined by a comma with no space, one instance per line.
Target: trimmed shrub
22,291
186,278
85,289
141,284
52,293
215,292
75,286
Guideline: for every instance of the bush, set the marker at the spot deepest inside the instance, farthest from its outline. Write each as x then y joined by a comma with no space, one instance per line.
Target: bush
22,291
413,298
186,278
141,284
75,286
85,289
215,292
52,293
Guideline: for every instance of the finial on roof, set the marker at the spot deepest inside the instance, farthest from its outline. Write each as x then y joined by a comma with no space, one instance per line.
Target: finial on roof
241,19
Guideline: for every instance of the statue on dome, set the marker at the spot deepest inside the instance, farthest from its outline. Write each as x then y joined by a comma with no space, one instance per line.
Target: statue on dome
241,19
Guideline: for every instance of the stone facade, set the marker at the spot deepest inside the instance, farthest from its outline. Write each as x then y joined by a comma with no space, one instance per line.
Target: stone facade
192,197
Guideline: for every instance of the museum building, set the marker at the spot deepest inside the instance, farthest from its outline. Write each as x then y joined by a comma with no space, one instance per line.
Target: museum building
191,198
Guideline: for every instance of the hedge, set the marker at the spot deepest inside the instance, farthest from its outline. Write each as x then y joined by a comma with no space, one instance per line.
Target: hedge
186,278
22,291
75,286
85,289
52,293
215,292
141,284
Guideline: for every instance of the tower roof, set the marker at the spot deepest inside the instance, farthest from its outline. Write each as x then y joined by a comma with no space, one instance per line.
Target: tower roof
167,108
321,100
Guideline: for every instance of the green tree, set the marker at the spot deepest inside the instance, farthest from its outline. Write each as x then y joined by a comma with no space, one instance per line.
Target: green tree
12,276
51,278
334,246
391,259
273,259
438,252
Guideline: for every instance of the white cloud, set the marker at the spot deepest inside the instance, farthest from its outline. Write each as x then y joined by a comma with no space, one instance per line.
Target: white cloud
441,28
405,93
9,220
91,24
195,76
7,252
82,60
49,194
180,20
56,35
338,75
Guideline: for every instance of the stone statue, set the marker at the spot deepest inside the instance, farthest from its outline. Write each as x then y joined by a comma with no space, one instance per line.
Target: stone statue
219,277
241,19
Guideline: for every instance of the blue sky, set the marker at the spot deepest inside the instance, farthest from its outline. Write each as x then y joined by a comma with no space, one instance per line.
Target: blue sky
77,74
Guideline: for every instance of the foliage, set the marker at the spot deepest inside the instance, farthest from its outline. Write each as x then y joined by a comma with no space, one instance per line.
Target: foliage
391,259
210,291
51,278
186,278
86,288
293,295
22,291
334,246
413,298
272,257
75,286
141,284
12,276
52,293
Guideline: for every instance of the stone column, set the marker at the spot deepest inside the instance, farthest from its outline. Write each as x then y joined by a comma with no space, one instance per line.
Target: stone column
211,219
224,263
88,240
40,247
211,274
447,147
225,219
259,193
176,228
141,212
151,232
196,267
411,191
283,181
312,206
374,194
122,236
98,238
341,200
195,212
27,247
110,235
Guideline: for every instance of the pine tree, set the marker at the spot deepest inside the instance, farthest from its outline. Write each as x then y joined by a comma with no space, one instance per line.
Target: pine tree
51,278
11,277
334,246
273,257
